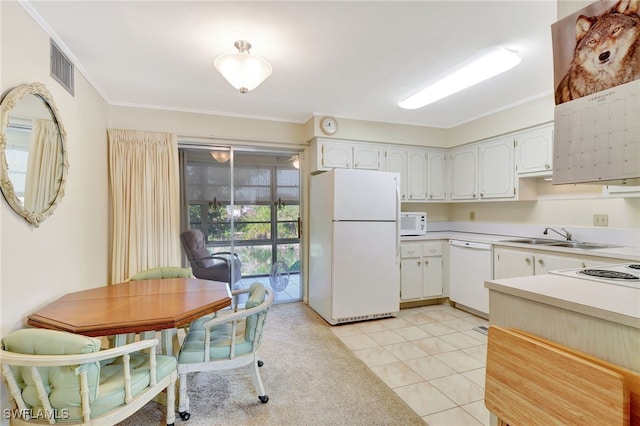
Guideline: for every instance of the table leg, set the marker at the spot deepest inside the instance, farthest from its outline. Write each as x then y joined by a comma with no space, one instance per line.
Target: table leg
120,340
169,341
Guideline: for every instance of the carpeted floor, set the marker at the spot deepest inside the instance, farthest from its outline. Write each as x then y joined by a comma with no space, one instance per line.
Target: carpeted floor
311,378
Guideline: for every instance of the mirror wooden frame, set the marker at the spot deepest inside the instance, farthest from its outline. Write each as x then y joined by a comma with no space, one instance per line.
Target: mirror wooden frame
7,105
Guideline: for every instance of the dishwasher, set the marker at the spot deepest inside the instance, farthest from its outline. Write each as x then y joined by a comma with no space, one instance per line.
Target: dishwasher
470,264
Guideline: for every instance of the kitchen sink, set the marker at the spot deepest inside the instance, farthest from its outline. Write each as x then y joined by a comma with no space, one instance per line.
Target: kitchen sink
556,243
533,241
579,245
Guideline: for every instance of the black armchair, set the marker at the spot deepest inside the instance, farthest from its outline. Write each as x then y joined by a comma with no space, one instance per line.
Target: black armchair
221,266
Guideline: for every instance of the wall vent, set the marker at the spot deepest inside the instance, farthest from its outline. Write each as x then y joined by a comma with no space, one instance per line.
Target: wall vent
61,68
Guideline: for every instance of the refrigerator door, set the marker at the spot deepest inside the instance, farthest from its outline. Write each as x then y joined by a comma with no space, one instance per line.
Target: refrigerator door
366,271
366,195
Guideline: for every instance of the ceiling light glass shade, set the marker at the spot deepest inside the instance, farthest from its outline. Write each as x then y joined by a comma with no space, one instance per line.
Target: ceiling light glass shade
243,70
220,156
490,65
295,161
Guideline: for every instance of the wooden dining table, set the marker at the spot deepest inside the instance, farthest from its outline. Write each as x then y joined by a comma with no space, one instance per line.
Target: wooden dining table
134,307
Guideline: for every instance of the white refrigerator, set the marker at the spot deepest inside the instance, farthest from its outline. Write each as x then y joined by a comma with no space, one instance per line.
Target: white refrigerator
354,253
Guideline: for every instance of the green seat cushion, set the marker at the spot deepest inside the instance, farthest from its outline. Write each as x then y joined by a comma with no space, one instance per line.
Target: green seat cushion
112,380
61,383
105,379
192,350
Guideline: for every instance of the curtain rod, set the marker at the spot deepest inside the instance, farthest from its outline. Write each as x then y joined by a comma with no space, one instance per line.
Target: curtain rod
203,142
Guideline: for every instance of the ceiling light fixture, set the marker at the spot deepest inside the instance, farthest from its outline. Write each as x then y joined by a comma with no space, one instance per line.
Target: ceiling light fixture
220,156
490,65
243,70
295,161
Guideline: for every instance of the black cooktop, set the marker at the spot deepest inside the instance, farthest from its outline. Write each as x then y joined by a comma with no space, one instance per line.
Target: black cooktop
614,275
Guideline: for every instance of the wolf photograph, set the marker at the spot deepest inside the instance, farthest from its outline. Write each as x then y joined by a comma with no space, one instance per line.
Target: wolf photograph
596,50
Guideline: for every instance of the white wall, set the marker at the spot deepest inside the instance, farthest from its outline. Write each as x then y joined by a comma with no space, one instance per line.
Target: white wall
69,251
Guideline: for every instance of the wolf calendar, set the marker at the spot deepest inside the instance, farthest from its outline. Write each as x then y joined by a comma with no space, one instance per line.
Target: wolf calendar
606,52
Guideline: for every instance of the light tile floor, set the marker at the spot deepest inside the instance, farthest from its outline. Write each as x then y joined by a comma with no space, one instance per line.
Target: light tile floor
431,357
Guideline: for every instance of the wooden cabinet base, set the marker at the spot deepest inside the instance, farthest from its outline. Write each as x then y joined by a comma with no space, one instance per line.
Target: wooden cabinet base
532,382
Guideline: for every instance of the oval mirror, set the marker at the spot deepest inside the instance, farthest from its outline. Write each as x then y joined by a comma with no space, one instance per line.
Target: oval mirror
33,154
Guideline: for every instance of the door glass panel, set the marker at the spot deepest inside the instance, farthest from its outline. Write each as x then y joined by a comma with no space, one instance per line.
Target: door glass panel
261,226
253,222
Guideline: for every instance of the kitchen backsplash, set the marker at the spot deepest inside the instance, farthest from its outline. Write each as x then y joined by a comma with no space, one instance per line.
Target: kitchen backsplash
617,236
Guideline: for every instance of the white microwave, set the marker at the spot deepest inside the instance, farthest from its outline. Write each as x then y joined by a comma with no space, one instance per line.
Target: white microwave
413,223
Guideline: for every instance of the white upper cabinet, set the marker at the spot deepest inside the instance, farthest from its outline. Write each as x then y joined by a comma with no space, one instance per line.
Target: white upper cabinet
534,151
416,175
368,157
464,173
327,155
335,154
437,172
396,160
497,171
483,171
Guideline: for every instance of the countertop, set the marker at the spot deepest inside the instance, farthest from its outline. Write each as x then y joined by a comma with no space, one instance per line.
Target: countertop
609,302
624,253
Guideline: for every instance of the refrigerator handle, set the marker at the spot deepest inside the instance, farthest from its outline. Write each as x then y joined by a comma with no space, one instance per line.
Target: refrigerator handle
397,220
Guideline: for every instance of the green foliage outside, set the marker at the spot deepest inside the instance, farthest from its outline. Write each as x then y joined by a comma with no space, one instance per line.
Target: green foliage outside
252,224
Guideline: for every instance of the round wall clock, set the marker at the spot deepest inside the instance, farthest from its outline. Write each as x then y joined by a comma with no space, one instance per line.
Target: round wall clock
328,125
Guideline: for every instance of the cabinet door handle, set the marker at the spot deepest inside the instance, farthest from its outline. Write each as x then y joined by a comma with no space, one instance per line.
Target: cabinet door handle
528,261
426,262
584,265
541,262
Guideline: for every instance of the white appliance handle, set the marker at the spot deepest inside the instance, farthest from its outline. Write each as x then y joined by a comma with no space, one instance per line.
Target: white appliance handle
397,220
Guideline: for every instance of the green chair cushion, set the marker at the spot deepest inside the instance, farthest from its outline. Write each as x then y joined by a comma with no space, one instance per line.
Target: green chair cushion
163,272
220,347
112,380
106,381
257,294
61,382
192,350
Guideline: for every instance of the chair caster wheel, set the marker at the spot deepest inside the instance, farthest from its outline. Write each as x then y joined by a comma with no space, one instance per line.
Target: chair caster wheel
260,363
263,399
184,415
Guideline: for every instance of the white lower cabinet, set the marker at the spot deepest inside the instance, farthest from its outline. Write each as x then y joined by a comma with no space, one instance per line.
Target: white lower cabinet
420,271
513,262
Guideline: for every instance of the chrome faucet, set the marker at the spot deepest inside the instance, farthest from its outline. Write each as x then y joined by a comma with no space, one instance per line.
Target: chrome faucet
566,234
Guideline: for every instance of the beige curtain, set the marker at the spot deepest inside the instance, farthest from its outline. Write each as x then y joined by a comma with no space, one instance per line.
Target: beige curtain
145,201
44,166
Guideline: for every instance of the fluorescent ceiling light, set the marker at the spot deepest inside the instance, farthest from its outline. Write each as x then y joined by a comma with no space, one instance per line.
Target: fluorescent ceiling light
492,64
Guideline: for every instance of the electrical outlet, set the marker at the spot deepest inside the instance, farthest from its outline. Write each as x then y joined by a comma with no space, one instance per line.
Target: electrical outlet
601,220
472,216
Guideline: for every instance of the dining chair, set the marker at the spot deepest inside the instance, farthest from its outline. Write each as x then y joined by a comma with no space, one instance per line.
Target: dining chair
162,272
221,266
55,376
226,340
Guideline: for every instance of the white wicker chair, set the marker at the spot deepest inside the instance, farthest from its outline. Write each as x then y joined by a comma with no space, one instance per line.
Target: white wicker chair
225,341
54,376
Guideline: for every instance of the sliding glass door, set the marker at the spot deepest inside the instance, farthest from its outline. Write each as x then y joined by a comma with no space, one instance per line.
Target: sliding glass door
249,205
